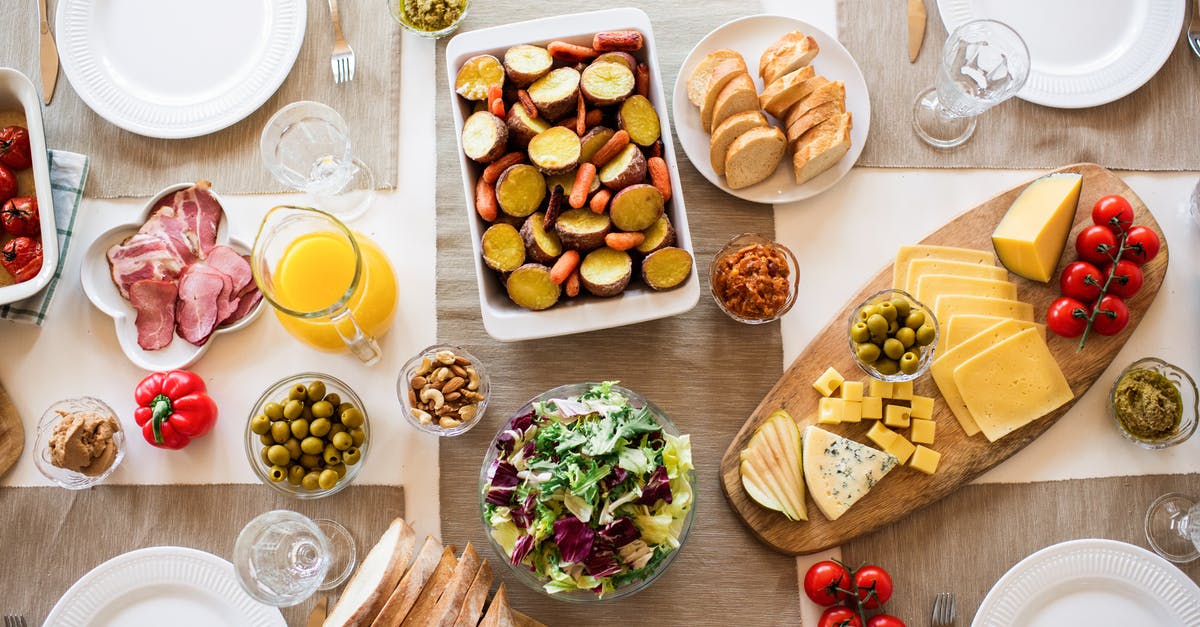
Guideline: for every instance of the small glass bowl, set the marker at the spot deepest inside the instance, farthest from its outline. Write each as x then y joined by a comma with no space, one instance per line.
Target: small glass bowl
404,384
279,391
70,479
1187,395
396,9
738,243
926,353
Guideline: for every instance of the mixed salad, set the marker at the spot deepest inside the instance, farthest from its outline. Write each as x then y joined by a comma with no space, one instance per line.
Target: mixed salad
588,491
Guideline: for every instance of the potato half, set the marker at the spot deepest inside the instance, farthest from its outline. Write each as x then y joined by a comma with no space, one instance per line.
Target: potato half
667,268
582,230
531,287
484,137
636,207
520,190
556,94
555,150
541,245
526,63
503,248
477,75
523,128
606,83
625,169
660,235
606,271
638,117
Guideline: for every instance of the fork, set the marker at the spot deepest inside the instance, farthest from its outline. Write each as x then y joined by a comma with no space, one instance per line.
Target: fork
943,610
1193,31
14,621
342,60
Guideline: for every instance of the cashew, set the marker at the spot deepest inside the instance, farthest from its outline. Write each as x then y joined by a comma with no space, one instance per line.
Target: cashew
430,395
442,374
467,412
444,357
422,416
448,423
472,379
424,368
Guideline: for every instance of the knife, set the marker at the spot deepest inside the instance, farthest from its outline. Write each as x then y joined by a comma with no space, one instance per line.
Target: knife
317,616
916,28
49,55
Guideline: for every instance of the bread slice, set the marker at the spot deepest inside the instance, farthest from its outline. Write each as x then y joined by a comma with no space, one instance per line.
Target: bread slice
472,606
450,603
406,593
375,579
728,131
813,117
788,53
821,147
422,609
787,90
724,73
754,156
521,620
828,92
738,96
698,81
499,614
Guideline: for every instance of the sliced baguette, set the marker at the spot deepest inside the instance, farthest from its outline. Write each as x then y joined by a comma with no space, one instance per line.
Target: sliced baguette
828,92
722,75
787,90
499,614
375,579
406,593
821,147
472,606
422,610
521,620
754,156
812,118
698,81
450,603
738,96
789,53
728,131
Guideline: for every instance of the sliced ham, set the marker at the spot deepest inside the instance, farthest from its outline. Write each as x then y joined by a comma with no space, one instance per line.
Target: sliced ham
166,224
197,308
228,260
143,257
198,207
246,303
154,302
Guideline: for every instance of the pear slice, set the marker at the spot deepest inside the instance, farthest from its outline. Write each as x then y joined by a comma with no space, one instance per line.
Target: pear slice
788,433
763,467
756,487
771,461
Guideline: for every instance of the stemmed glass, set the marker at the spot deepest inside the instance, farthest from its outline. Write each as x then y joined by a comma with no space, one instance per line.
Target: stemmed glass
306,146
1173,527
983,63
282,557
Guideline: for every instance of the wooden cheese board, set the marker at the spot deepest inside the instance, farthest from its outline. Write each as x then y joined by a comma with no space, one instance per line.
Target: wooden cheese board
905,490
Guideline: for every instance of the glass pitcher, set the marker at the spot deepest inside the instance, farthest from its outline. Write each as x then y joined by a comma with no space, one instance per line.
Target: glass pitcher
331,288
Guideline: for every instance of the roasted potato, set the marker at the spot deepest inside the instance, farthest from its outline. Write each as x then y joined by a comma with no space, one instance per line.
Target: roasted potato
524,64
556,94
555,150
530,287
541,245
520,190
666,268
625,169
638,117
636,207
606,271
596,137
620,57
582,230
660,235
477,75
503,248
521,127
484,137
606,83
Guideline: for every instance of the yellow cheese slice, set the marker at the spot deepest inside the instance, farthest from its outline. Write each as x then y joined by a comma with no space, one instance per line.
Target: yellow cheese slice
944,365
930,286
963,326
1011,384
1031,236
951,305
918,268
946,253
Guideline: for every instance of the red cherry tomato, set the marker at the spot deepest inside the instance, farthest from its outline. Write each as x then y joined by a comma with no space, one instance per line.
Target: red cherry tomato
839,616
874,586
1141,245
8,184
884,620
1096,244
1067,317
1114,212
1127,279
14,147
822,581
1111,317
19,216
1082,281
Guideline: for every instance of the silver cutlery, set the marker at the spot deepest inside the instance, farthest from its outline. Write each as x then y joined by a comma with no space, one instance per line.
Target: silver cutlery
1193,31
342,60
943,610
14,621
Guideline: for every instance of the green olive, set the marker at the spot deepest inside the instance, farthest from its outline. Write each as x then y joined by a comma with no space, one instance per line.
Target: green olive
359,436
871,310
333,399
867,352
266,439
859,332
298,392
336,429
909,363
351,456
274,411
340,469
915,320
310,461
322,409
353,418
332,456
893,326
277,473
293,409
260,424
316,391
877,325
887,366
907,336
327,479
887,311
293,448
280,432
312,445
306,413
343,408
262,453
311,480
925,335
320,427
296,474
342,441
901,305
278,455
893,348
299,428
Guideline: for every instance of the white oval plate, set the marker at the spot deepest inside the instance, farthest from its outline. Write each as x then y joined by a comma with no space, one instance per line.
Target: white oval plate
750,36
98,285
162,585
177,68
1083,53
1091,582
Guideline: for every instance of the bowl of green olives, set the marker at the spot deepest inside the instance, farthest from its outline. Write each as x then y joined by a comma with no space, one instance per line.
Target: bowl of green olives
892,336
307,435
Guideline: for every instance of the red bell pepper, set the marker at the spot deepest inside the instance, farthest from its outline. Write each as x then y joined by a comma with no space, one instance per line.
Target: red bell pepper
173,407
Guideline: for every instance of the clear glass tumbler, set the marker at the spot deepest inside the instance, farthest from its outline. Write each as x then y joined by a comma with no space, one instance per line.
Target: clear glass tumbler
983,63
282,557
1173,527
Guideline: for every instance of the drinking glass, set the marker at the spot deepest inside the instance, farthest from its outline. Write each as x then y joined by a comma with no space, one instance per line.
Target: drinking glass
983,63
306,146
282,557
1194,203
1173,527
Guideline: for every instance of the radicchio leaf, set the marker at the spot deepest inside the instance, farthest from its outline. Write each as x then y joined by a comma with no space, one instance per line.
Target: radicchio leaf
522,422
620,532
504,483
522,548
614,478
657,487
522,516
507,441
574,538
602,562
655,439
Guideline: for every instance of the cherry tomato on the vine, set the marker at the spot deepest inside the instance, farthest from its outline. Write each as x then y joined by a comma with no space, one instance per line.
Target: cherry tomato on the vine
1127,279
1111,317
823,580
1096,244
1114,212
874,586
839,616
1067,317
1141,245
1082,281
884,620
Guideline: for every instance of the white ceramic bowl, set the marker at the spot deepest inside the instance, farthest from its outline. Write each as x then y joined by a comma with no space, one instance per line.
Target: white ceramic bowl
17,93
99,287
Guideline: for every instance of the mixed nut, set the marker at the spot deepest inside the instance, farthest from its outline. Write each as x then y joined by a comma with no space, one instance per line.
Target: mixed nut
444,389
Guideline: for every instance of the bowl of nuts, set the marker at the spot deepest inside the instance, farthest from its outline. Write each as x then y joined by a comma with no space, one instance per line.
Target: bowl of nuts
444,390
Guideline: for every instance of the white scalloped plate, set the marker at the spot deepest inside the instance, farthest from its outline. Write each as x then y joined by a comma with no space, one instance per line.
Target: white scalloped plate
177,68
1091,582
162,585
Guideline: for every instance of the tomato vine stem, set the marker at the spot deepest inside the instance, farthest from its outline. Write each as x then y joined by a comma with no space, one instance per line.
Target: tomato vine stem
1112,272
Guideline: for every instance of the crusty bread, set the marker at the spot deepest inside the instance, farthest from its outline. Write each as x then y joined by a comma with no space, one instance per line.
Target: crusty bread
375,579
788,53
472,606
422,610
724,73
829,92
499,614
405,594
787,90
450,603
729,130
754,156
821,147
738,96
698,81
813,117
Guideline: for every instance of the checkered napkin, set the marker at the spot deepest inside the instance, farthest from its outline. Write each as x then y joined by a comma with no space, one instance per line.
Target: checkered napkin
68,173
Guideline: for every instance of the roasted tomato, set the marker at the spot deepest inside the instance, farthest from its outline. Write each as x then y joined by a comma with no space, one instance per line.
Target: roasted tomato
839,616
14,147
825,581
1082,281
1096,244
19,216
884,620
22,257
1127,279
1114,212
8,184
874,586
1141,245
1111,316
1067,317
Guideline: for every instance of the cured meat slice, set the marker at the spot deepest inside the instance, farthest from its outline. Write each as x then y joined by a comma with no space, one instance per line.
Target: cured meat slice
155,305
199,209
166,224
196,310
246,303
143,257
228,260
227,301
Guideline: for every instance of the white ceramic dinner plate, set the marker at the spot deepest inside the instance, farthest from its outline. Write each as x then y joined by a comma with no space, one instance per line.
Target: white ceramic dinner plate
177,68
1083,53
164,585
1092,582
750,36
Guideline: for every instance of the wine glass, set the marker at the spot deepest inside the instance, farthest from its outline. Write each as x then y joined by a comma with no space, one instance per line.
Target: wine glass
282,557
983,63
306,146
1173,527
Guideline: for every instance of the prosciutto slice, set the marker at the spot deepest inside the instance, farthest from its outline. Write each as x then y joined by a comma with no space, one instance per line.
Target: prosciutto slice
155,305
201,212
197,309
143,257
228,260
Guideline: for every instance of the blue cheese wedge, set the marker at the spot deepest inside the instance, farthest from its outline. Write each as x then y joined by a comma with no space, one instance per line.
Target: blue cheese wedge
839,471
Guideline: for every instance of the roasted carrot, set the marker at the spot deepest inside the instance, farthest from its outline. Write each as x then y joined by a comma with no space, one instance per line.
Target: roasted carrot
494,92
624,241
580,116
594,117
599,201
623,40
527,102
614,145
571,53
660,176
641,80
496,101
492,173
584,177
565,265
485,200
572,286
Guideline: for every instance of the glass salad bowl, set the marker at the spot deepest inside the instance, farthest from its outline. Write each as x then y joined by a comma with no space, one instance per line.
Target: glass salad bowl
628,545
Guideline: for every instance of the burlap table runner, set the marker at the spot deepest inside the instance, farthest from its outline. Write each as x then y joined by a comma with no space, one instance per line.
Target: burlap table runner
51,537
965,542
706,371
125,164
1151,129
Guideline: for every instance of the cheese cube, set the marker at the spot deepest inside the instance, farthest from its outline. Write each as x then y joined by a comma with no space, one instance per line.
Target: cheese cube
830,411
923,430
851,411
828,382
925,459
881,389
922,407
872,407
881,435
901,448
902,390
1031,236
896,416
852,390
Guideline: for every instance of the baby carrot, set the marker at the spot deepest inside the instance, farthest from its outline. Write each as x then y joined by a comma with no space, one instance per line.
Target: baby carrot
572,286
583,184
614,145
485,200
492,173
623,241
565,265
660,176
599,202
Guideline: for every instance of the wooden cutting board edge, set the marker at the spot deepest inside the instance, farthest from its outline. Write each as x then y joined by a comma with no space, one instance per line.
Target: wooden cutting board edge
12,432
779,534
